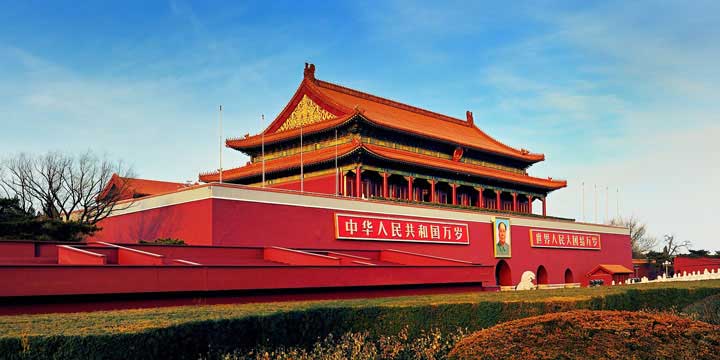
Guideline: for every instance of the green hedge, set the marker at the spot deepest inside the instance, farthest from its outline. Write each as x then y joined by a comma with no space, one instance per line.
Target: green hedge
193,339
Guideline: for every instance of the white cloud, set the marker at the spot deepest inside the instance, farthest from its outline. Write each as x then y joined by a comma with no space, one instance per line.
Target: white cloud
666,179
138,121
631,103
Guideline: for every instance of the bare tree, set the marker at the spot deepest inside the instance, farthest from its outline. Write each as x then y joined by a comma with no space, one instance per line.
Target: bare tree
63,187
672,246
641,242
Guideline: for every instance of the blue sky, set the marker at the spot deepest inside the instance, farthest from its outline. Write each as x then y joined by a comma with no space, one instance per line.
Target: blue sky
615,93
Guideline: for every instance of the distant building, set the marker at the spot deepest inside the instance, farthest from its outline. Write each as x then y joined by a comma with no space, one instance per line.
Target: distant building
689,263
133,188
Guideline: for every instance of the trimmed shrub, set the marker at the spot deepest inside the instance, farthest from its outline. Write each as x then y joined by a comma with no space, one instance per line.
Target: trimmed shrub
707,310
594,335
163,241
429,345
200,331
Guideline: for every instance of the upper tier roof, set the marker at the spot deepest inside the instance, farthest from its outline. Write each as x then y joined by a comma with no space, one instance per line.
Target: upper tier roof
334,104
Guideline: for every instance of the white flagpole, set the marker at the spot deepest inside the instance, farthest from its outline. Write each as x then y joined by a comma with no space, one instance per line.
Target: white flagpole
595,200
583,201
262,137
606,204
617,203
337,171
221,145
302,174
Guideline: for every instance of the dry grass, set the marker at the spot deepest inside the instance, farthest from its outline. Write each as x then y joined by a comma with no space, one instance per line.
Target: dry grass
133,321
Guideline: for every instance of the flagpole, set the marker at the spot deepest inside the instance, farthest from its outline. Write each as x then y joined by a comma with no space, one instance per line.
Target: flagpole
583,201
595,200
336,163
607,213
262,137
302,174
221,146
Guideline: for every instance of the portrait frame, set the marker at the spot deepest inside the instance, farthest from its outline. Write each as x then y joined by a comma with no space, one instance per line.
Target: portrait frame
497,248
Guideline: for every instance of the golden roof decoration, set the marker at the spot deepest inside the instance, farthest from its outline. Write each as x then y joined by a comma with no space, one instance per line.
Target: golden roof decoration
305,113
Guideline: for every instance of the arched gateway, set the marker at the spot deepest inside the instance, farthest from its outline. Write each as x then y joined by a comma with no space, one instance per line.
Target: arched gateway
569,276
542,275
503,276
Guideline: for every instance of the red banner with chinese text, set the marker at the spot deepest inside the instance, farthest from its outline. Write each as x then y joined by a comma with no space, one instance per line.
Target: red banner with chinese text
564,240
362,227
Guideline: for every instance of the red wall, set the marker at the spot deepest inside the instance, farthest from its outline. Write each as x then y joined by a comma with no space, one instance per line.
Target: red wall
189,221
240,223
690,264
279,225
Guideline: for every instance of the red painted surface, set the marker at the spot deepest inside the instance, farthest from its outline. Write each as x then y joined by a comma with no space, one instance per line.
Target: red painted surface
241,223
569,276
111,254
17,250
347,259
71,256
71,280
689,264
189,221
207,255
607,276
28,252
128,256
248,245
408,258
541,275
601,275
503,274
296,257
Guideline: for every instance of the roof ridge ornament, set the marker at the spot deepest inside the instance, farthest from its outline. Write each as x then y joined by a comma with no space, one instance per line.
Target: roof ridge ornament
309,72
469,116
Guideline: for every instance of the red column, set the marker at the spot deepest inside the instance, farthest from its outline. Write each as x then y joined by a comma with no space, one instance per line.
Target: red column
358,182
544,207
410,188
454,194
432,191
530,200
338,191
343,184
385,184
497,199
515,204
480,197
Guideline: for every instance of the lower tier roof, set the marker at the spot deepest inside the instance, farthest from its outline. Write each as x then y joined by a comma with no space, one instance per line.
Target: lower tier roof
386,153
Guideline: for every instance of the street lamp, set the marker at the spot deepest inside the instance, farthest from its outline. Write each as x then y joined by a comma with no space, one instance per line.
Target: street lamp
666,263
